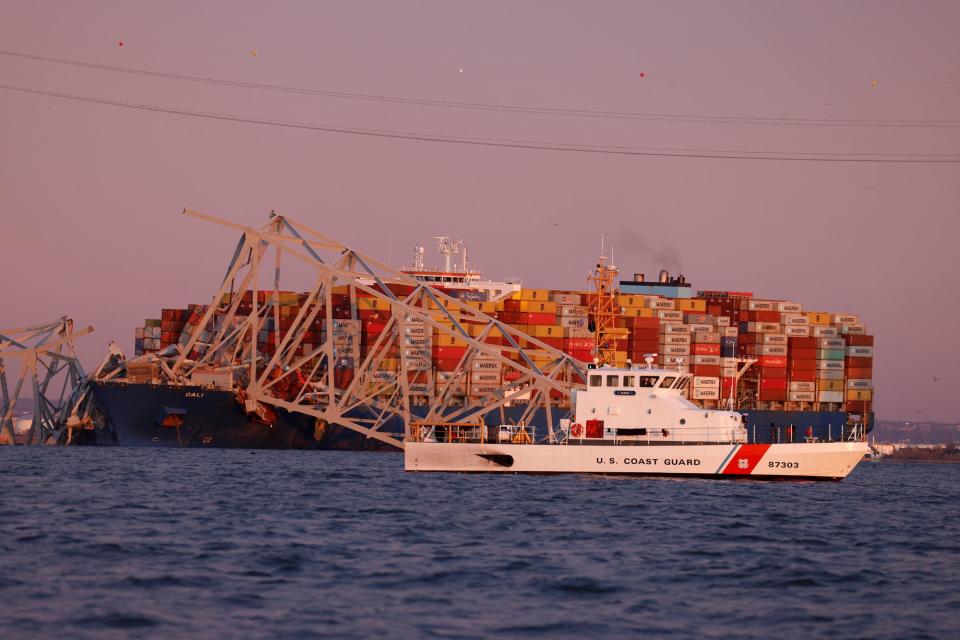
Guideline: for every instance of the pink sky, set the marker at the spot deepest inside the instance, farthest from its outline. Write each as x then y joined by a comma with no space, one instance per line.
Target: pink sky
91,194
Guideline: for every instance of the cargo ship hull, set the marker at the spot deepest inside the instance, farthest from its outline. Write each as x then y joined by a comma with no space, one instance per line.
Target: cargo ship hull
139,415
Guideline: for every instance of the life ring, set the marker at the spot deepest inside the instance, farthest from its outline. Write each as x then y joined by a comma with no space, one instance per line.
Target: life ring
576,430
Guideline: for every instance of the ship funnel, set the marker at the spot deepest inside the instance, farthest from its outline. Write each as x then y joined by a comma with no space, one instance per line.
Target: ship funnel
664,276
638,277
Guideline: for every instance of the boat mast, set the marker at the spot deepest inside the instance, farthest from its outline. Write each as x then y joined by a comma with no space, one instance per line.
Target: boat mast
604,309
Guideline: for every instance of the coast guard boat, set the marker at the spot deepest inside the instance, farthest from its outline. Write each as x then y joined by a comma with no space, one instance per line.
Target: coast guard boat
634,421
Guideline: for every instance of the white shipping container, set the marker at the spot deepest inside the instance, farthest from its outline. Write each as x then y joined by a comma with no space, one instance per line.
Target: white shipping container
566,298
486,364
854,351
670,362
672,316
821,331
660,303
700,393
706,381
772,350
830,375
801,396
477,390
572,311
830,365
845,318
853,329
803,386
830,396
723,321
789,307
728,372
772,338
674,338
485,377
422,342
797,331
416,364
859,383
707,360
574,322
760,305
795,319
831,343
701,328
706,338
730,332
728,362
674,328
763,327
675,349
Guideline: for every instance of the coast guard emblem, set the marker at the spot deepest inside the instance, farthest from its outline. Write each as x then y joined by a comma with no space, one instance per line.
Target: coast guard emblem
743,463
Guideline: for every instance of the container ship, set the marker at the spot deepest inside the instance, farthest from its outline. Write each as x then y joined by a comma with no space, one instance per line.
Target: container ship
791,372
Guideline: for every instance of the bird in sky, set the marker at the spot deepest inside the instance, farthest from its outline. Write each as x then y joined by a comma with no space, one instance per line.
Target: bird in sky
936,379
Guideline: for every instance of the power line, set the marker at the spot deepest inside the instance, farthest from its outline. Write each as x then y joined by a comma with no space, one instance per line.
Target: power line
481,106
518,144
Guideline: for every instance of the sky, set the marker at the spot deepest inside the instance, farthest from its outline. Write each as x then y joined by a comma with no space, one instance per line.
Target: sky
91,194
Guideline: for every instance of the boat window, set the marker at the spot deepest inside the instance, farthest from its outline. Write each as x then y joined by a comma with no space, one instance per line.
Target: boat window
613,381
667,382
682,383
629,381
648,381
596,381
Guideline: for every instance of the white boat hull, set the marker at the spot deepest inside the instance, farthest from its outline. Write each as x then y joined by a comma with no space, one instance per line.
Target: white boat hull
819,460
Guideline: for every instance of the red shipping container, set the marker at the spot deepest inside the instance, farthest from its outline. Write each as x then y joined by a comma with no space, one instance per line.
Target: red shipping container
705,349
800,342
803,376
446,364
859,374
858,363
374,327
859,406
803,365
772,372
536,318
579,343
643,323
759,316
802,354
556,343
582,356
645,333
772,361
771,384
448,353
859,340
712,370
373,314
773,395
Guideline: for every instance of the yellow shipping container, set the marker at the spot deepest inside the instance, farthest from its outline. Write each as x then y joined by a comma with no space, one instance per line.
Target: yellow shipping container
535,306
372,304
830,385
632,301
545,331
620,358
641,312
476,329
859,394
483,307
818,317
448,340
389,364
540,295
693,306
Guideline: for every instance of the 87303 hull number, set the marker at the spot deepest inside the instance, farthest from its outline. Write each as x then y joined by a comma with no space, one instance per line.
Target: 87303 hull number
784,465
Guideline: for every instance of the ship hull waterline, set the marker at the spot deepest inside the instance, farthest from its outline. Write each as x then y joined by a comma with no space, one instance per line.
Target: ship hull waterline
799,461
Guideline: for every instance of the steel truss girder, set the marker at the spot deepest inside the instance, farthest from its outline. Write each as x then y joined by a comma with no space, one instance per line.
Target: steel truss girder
296,379
50,367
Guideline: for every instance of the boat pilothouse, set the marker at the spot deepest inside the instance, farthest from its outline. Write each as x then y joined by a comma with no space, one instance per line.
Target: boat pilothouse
646,405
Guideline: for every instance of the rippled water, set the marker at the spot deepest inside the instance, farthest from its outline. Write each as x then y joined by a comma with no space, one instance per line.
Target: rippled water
207,543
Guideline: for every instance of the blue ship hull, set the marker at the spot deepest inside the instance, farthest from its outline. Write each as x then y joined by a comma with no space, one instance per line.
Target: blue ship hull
133,415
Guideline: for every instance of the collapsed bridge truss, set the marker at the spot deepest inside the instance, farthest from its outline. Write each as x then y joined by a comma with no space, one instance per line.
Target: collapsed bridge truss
357,348
50,373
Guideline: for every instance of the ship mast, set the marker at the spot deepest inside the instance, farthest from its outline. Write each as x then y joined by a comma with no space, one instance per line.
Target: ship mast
604,309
